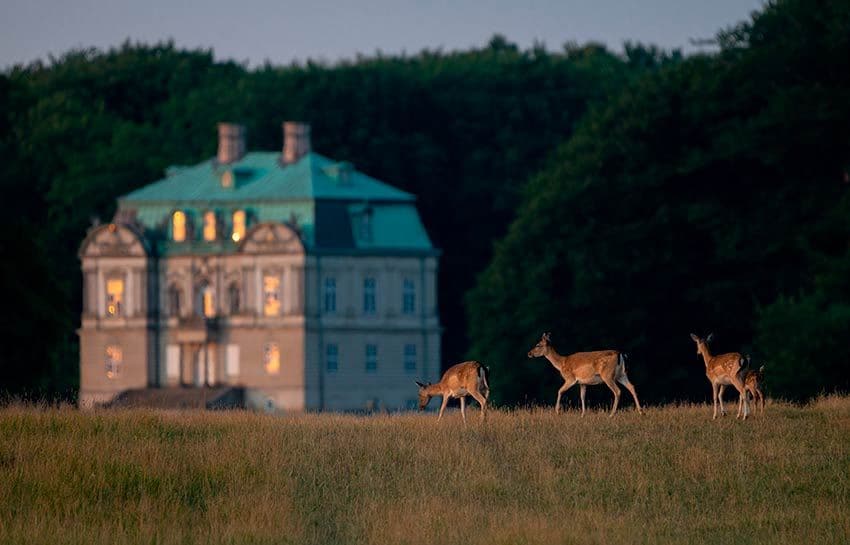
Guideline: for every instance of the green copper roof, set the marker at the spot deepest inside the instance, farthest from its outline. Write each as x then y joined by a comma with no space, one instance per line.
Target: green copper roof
260,176
334,207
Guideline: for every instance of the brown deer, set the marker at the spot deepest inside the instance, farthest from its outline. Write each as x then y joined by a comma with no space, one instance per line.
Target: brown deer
469,378
587,368
723,370
752,384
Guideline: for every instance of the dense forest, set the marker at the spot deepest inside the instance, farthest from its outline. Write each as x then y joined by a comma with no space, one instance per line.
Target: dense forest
616,199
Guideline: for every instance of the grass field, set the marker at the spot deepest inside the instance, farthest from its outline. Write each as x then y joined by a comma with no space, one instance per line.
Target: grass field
670,476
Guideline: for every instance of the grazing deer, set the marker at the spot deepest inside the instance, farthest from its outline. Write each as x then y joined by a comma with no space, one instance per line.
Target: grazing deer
723,370
464,379
587,368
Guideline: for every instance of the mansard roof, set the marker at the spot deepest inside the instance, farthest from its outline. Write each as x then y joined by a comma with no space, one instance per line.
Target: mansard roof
325,201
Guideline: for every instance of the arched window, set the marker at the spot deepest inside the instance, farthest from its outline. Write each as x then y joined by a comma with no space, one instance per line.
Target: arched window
238,225
205,301
173,300
233,296
114,296
271,358
178,226
209,225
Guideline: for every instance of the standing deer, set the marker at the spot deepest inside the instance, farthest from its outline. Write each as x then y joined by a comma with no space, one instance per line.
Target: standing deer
752,383
587,368
723,370
461,380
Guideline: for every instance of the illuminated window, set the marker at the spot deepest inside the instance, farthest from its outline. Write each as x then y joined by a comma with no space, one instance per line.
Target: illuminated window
271,358
178,226
207,301
371,358
332,358
410,357
368,296
408,297
114,296
238,226
209,226
330,295
271,295
114,358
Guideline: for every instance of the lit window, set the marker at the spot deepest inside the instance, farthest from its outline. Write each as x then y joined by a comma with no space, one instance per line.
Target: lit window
233,295
368,296
114,296
271,295
330,295
238,226
371,358
408,297
178,226
209,226
207,301
114,358
271,358
410,357
332,358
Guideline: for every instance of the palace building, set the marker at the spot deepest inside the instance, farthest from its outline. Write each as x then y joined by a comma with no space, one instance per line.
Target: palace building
281,280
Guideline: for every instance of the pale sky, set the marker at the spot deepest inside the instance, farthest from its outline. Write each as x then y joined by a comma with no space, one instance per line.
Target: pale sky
283,31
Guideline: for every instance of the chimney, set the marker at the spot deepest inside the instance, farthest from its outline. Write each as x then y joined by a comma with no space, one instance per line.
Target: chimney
296,141
231,142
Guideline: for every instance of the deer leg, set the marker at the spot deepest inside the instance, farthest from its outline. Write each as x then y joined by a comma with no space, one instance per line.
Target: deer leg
714,389
463,408
736,382
720,399
567,385
616,389
482,400
624,380
583,391
443,406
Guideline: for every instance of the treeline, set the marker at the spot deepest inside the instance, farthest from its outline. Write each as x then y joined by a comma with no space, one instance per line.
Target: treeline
462,130
709,195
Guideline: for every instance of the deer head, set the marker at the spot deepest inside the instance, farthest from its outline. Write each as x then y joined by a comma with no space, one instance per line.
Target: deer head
702,344
424,396
542,346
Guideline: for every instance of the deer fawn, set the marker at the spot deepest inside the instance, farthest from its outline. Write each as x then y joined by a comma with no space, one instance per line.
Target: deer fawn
464,379
587,368
752,383
723,370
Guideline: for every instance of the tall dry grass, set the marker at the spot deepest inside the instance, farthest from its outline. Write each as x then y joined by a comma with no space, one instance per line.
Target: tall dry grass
671,476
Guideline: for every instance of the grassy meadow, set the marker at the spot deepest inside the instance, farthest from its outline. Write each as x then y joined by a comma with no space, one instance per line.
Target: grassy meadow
526,476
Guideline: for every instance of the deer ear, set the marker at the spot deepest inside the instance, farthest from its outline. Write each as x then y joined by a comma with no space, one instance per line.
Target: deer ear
709,338
547,335
695,338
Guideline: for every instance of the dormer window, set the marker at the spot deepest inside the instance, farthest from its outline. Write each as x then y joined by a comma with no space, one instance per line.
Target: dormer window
178,226
114,296
209,226
238,226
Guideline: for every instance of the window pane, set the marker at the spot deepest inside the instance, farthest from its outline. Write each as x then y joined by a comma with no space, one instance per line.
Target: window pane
178,226
114,358
209,226
409,297
114,296
371,358
330,294
271,358
369,296
238,226
271,295
410,357
332,358
209,303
